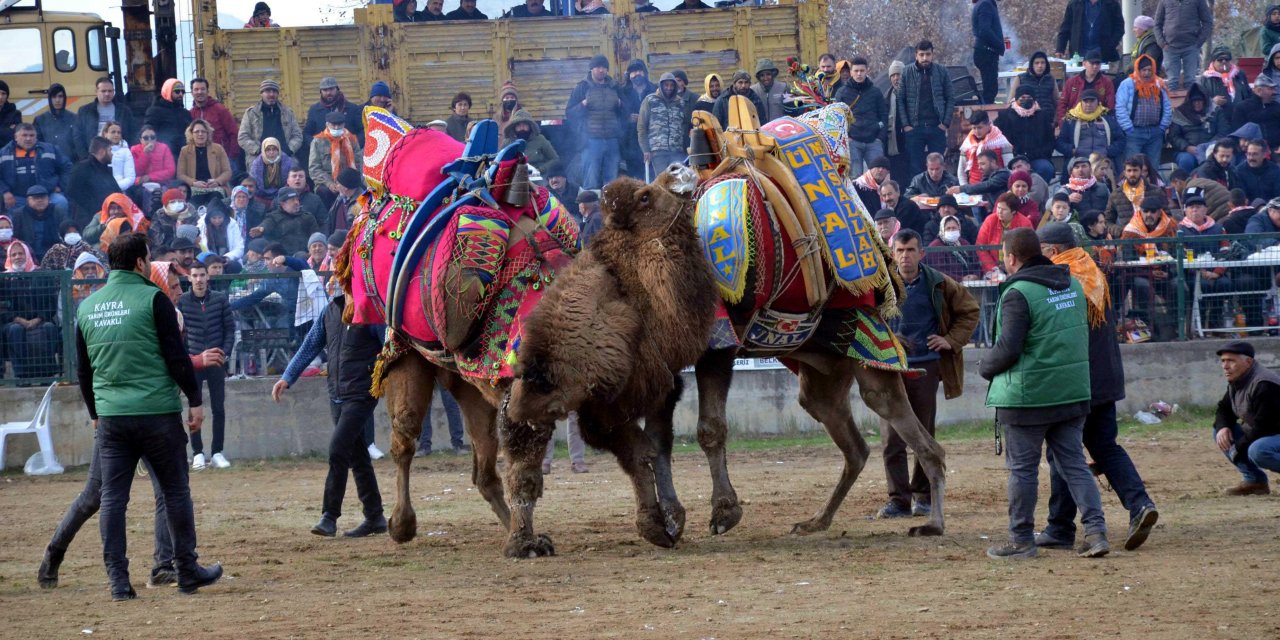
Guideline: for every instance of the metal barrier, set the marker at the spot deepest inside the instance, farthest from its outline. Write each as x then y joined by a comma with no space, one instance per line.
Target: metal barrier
1164,289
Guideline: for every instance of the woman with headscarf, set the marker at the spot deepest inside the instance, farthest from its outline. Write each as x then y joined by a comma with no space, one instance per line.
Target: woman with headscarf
6,234
87,267
31,336
163,275
240,209
117,205
220,233
203,164
168,116
958,262
115,228
271,169
508,104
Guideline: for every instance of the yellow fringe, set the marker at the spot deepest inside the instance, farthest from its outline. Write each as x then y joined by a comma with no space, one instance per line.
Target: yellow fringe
379,374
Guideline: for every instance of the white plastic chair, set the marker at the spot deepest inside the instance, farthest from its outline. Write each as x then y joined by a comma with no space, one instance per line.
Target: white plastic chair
43,462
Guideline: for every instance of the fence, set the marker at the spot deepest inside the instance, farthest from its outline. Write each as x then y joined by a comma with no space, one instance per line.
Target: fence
1167,289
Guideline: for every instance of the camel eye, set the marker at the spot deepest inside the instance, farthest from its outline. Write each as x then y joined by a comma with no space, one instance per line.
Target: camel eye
644,198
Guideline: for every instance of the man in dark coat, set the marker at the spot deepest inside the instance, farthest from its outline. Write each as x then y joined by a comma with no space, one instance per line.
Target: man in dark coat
596,111
57,126
1259,176
924,106
1088,25
1247,425
169,117
905,210
988,46
107,106
869,129
208,325
1260,109
332,100
1028,126
1106,379
36,223
740,85
91,181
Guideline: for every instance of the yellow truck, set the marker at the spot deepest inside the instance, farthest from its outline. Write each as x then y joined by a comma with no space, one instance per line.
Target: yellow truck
424,63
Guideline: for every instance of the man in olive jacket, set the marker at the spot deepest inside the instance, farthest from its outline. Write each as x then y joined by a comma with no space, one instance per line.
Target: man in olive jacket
938,318
1039,373
127,333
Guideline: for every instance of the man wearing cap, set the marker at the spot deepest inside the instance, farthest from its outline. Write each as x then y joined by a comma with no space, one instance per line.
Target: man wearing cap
36,222
947,207
186,249
1106,382
1151,281
1247,425
589,218
1085,192
1182,27
269,118
1089,25
169,117
768,90
288,224
867,185
466,11
332,150
1039,373
1092,78
661,128
937,321
1144,110
739,85
1261,109
596,111
349,186
1090,128
332,100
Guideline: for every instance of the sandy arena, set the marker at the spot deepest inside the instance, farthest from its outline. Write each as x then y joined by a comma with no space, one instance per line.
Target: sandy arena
1208,570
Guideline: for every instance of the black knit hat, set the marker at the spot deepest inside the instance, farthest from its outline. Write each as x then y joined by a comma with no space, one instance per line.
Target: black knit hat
599,61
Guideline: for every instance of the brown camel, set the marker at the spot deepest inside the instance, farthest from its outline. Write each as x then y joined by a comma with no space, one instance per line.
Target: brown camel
610,355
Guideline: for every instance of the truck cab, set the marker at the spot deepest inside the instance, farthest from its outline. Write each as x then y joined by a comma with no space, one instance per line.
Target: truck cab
39,48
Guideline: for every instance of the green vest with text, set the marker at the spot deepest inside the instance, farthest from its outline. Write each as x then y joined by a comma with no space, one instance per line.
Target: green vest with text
130,377
1054,367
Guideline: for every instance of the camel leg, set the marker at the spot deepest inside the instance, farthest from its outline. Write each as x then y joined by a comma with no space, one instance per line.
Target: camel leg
826,398
524,445
407,389
661,432
715,374
884,394
478,416
635,453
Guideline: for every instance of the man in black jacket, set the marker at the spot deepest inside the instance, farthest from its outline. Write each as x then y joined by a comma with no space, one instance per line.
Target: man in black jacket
1247,425
1028,126
1106,380
209,325
1088,25
1260,109
904,209
332,100
57,126
867,132
91,181
924,106
105,108
740,85
934,180
988,46
1219,166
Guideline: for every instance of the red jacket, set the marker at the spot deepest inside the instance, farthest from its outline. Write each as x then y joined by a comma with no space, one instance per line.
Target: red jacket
992,232
1074,86
225,129
157,166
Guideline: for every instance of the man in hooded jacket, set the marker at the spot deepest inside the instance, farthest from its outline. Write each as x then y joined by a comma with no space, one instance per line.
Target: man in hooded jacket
57,126
169,117
537,148
769,90
661,127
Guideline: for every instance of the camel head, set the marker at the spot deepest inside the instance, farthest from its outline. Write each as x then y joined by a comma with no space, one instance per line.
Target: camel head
633,206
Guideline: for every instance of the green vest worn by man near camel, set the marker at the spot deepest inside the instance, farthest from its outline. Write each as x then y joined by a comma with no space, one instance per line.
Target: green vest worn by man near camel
129,376
1054,366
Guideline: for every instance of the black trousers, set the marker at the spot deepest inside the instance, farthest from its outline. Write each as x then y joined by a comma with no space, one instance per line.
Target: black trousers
216,378
161,441
349,451
86,505
988,64
922,393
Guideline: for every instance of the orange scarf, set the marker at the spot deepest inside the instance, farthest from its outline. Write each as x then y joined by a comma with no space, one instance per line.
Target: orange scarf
1134,194
1137,228
1149,89
1091,278
342,152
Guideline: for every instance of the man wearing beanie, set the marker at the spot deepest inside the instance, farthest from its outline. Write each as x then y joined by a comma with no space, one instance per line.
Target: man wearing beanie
379,96
57,126
261,18
9,115
269,118
595,111
635,88
332,100
318,258
1106,380
739,85
1028,126
509,101
466,11
1247,425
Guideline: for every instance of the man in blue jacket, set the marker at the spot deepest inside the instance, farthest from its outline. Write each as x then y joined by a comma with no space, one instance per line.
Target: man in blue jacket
988,46
1144,110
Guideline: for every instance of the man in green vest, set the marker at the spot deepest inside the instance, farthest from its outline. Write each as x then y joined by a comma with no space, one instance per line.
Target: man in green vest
127,334
1039,373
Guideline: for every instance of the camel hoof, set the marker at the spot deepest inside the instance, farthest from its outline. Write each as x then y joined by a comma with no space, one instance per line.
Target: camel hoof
925,530
724,518
675,522
655,529
403,528
521,547
808,527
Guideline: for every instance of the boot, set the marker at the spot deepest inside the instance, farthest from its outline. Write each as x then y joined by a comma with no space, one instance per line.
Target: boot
327,527
48,573
1095,546
201,577
1246,488
369,527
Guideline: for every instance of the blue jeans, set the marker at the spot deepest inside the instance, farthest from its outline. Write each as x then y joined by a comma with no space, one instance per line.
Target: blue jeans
863,152
162,442
599,162
1145,140
920,142
34,351
1181,66
1264,453
1100,439
1022,457
452,416
1186,161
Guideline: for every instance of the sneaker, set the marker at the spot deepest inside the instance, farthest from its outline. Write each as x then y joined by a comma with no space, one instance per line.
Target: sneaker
367,528
220,461
124,593
1049,542
1246,488
580,467
892,509
1140,527
47,575
421,453
462,450
375,453
197,462
327,527
1012,551
921,509
162,577
1094,546
204,576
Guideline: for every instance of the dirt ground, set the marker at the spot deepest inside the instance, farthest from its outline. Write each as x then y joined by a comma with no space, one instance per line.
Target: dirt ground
1208,570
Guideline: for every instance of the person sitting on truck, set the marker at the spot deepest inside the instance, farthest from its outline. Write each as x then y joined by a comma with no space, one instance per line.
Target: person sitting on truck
433,13
690,5
592,8
270,118
261,18
466,11
168,116
93,117
530,9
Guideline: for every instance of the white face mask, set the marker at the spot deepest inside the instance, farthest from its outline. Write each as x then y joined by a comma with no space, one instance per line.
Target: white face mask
71,239
950,237
176,206
6,235
336,132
